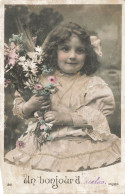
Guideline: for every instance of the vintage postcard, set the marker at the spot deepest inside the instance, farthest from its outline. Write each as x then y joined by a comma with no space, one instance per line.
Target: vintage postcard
62,96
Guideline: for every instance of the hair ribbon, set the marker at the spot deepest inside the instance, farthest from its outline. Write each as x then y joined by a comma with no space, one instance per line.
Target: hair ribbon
96,43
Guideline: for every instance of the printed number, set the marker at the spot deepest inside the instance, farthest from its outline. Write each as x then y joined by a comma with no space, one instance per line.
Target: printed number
9,184
113,184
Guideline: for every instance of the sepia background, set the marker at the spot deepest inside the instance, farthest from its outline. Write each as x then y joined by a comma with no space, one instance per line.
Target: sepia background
101,20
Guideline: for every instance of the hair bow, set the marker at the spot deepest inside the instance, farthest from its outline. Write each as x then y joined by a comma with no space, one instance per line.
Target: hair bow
95,42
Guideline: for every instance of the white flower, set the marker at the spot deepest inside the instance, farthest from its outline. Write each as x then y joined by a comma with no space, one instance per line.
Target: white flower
38,49
37,55
29,67
95,42
27,85
33,68
36,114
33,56
34,79
31,82
22,59
50,125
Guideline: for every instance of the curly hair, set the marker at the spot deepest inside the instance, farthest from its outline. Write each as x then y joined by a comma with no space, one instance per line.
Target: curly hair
58,36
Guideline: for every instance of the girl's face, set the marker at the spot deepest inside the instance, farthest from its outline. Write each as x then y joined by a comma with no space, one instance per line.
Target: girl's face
71,55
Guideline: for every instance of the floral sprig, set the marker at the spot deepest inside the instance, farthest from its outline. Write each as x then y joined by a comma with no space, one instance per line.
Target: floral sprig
22,70
36,87
16,38
21,66
43,129
20,144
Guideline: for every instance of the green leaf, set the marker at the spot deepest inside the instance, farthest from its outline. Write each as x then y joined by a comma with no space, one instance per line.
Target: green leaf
49,138
12,85
42,122
49,86
35,91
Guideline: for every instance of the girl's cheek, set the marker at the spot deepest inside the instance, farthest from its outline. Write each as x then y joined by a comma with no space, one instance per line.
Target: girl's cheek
82,58
61,56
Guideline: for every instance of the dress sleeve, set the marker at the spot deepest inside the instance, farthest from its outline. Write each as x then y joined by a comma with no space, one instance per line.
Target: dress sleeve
98,105
19,102
18,105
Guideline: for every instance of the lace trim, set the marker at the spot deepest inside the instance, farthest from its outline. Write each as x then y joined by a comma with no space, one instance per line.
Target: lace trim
66,157
17,110
98,122
94,82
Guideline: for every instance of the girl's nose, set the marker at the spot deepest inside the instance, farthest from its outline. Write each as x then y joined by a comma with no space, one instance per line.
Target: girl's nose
72,54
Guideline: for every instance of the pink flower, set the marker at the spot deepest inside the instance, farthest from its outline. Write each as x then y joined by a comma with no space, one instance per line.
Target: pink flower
52,79
6,49
20,144
5,85
12,45
42,127
7,82
12,61
40,118
13,54
38,87
18,48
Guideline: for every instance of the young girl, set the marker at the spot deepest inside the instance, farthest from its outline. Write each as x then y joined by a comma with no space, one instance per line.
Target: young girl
79,110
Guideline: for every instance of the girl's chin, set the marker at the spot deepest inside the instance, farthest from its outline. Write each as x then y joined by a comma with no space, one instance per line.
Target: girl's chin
69,72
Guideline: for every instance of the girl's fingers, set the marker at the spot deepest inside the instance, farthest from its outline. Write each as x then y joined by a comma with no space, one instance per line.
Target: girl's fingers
52,122
45,103
49,119
48,114
34,96
42,98
45,107
40,103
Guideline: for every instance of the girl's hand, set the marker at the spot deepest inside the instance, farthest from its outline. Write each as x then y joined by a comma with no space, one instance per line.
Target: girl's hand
58,118
36,103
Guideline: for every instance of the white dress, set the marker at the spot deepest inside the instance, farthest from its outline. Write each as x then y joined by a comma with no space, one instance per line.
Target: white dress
73,148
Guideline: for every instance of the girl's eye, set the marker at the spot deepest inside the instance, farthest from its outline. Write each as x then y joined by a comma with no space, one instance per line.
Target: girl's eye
65,49
80,50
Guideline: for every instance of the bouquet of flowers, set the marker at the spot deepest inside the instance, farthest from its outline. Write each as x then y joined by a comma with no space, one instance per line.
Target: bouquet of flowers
22,70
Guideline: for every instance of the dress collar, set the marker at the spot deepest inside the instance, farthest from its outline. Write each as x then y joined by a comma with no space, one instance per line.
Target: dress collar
60,74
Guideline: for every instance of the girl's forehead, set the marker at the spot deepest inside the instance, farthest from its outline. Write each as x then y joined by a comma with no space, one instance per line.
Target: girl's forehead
73,39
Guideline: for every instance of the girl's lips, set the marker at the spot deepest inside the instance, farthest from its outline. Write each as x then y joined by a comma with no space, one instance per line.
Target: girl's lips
72,63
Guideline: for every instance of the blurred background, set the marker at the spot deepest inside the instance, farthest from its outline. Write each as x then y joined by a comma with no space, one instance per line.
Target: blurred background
101,20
